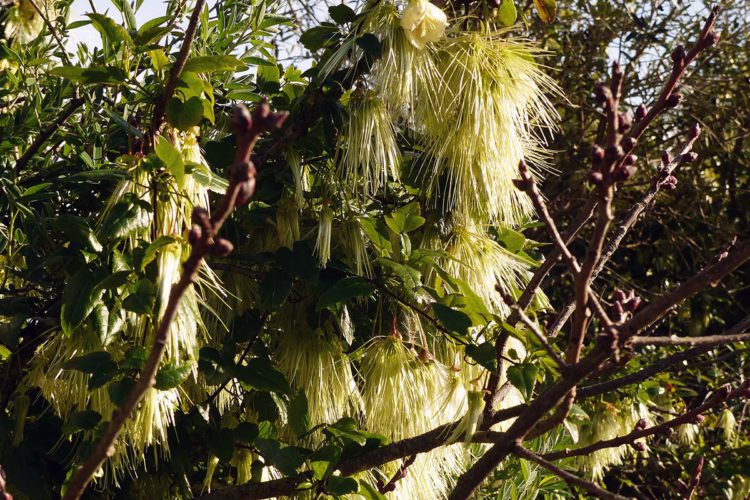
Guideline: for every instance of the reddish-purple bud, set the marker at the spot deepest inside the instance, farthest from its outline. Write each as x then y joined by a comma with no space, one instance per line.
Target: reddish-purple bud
694,132
689,157
201,218
241,119
603,94
619,296
641,424
625,121
613,152
639,446
194,235
641,112
624,172
262,111
670,183
595,178
629,143
243,172
674,100
678,54
712,38
597,155
630,159
666,158
221,248
246,192
699,419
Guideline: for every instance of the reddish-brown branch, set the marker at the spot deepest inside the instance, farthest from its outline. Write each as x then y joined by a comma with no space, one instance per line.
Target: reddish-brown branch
714,401
569,478
174,74
203,240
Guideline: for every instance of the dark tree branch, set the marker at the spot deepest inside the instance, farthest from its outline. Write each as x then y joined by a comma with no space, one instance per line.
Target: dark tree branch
47,132
569,478
158,117
204,240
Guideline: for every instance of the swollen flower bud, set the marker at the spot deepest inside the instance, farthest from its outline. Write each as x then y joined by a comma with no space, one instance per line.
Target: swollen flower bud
629,143
669,183
678,54
603,94
241,119
595,178
641,424
613,152
674,100
639,446
689,157
423,22
641,112
630,159
221,248
194,235
625,121
201,218
597,155
699,419
666,158
712,38
246,192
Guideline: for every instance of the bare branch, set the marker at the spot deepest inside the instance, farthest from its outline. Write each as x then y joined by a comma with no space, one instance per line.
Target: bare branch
569,478
203,240
187,43
708,340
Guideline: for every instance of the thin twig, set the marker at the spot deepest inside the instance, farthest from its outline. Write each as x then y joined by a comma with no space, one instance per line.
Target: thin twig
204,240
707,340
569,478
179,64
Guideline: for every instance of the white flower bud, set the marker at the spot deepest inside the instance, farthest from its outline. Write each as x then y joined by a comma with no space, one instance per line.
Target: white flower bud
423,23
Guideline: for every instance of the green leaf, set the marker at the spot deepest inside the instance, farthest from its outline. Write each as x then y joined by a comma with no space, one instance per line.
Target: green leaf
124,219
343,290
506,13
453,320
114,280
299,262
405,219
184,115
484,354
102,75
81,420
109,29
172,158
208,64
371,45
287,459
171,376
221,444
260,374
341,14
78,231
523,376
153,248
547,10
141,298
103,374
377,232
88,363
298,418
119,390
369,491
246,432
512,240
135,358
79,298
324,460
4,353
319,36
274,289
337,485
